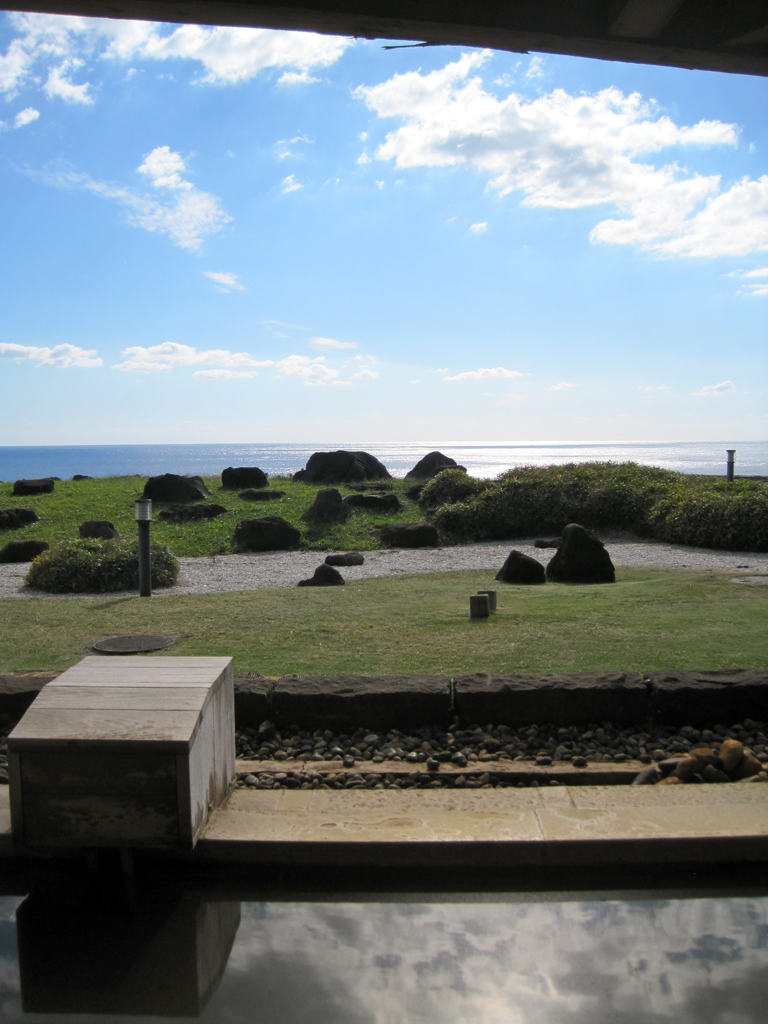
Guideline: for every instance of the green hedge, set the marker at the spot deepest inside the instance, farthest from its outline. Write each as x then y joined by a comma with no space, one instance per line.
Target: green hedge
449,486
680,508
94,566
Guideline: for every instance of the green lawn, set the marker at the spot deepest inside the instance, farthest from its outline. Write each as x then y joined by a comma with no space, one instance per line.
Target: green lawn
648,619
112,498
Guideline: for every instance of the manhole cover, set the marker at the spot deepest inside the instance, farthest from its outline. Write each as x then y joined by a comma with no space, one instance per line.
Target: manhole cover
132,644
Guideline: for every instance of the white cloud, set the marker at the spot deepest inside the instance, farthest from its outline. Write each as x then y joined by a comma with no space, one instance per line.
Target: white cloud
569,152
652,387
187,216
535,68
170,355
363,159
312,371
331,343
562,386
380,184
58,85
725,387
225,374
25,116
363,136
63,356
296,78
46,47
227,282
365,374
484,373
479,228
290,184
755,285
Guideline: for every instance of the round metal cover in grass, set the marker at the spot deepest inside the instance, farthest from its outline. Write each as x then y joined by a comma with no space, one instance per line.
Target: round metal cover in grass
136,644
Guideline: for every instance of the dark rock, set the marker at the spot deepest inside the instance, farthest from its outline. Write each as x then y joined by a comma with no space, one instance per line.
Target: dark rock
374,502
24,487
260,494
555,542
341,703
328,507
431,465
268,534
171,487
520,568
581,558
410,535
185,513
647,777
82,476
414,492
341,467
15,518
243,476
325,576
370,487
697,698
348,558
99,529
252,700
566,699
22,550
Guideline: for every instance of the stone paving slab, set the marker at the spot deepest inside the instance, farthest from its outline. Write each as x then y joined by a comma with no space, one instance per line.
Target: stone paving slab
550,827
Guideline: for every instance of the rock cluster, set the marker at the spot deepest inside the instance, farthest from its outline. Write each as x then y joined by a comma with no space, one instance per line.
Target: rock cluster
341,467
172,487
431,465
465,745
184,513
22,550
25,487
728,761
243,476
98,529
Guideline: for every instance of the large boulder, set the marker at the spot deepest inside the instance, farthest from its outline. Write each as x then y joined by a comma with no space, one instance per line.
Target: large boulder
171,487
520,568
374,502
243,476
25,487
15,518
22,550
410,535
260,494
328,507
325,576
99,529
581,558
185,513
345,558
268,534
82,476
431,465
341,467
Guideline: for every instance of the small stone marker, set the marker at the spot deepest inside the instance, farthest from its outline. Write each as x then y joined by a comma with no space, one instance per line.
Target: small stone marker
491,594
479,606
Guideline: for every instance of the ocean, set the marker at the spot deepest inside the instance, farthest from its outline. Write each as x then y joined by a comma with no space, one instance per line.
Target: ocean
482,460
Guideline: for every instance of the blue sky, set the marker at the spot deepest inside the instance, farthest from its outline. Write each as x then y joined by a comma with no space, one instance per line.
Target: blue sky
243,235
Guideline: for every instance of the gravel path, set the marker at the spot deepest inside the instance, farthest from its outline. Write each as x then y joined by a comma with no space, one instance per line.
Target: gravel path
285,568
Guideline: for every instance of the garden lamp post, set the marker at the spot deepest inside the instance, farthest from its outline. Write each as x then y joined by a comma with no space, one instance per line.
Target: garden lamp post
143,517
730,452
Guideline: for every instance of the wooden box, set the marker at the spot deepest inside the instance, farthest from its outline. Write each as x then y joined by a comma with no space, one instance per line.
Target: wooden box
126,753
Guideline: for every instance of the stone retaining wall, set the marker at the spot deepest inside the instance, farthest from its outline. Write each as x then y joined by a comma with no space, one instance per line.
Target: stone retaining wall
404,702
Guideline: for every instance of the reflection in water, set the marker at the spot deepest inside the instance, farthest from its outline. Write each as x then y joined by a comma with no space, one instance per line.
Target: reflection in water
687,961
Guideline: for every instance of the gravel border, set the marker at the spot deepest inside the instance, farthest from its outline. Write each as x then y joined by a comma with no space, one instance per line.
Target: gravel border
282,569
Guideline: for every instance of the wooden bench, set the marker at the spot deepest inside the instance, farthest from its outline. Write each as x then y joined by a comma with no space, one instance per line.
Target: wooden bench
125,753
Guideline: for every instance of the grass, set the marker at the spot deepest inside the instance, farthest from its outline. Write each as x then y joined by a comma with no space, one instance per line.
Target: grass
112,498
648,619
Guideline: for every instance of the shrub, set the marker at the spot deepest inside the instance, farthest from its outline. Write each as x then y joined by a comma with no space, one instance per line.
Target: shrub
732,516
697,510
92,566
545,499
449,486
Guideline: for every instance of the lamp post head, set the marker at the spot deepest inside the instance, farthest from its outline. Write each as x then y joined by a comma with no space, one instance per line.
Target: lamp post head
143,510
